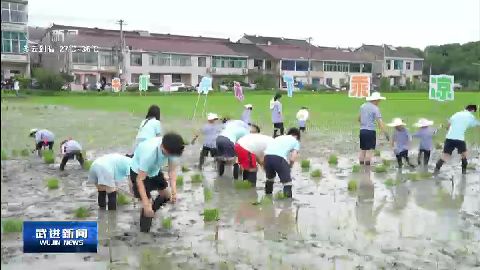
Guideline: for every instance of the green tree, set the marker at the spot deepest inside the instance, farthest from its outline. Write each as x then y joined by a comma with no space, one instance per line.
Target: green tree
48,80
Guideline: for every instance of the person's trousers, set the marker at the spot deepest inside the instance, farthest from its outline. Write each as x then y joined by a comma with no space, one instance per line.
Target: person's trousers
39,146
278,127
74,154
426,157
403,155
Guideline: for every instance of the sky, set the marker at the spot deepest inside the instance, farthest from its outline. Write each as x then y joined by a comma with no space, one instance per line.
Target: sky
343,23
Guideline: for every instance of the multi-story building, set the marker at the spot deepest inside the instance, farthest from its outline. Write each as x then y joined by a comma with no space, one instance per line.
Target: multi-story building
14,56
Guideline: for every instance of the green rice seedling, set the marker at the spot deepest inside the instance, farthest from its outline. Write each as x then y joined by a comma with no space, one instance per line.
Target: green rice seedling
81,212
386,162
52,183
333,160
424,175
413,176
305,164
390,182
48,156
87,164
438,146
380,169
196,178
356,168
12,225
316,173
376,153
471,167
179,180
4,155
266,200
25,153
14,153
211,215
280,196
352,185
185,169
123,199
242,184
207,194
167,223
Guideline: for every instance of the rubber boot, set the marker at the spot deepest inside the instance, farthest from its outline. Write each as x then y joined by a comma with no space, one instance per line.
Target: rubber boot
102,199
399,161
221,167
145,222
112,201
419,159
438,166
268,187
245,175
464,165
201,161
159,202
252,178
287,191
409,164
236,171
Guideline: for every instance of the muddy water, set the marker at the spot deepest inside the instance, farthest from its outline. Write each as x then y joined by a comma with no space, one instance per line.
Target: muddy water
426,224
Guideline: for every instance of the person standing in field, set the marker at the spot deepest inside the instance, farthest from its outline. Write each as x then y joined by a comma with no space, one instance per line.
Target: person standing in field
146,174
455,139
400,142
425,135
302,118
70,149
277,116
106,172
247,113
150,127
250,150
16,86
210,133
369,116
43,138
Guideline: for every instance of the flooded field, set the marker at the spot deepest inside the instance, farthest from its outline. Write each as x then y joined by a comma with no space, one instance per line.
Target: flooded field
393,220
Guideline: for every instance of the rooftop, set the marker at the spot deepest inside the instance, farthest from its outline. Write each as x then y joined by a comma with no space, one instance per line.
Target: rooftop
379,51
261,40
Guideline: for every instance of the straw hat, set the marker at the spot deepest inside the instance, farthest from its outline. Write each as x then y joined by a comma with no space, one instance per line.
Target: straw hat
422,122
396,122
212,116
248,106
375,96
33,131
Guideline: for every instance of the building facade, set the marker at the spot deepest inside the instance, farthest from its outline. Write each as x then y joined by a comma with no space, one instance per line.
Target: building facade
14,55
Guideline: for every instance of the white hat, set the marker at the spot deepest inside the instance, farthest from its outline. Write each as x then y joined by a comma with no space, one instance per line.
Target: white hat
33,130
212,116
375,96
248,106
396,122
422,122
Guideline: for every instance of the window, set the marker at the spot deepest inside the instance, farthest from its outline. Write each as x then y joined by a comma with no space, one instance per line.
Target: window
163,59
176,78
228,62
330,66
288,65
329,82
317,66
78,78
202,61
14,42
268,64
108,59
155,78
85,58
342,67
301,66
408,65
258,63
417,65
135,59
14,12
398,64
388,64
180,60
135,78
355,67
367,68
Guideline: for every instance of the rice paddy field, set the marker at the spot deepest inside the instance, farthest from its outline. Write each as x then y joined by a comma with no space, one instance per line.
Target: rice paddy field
342,216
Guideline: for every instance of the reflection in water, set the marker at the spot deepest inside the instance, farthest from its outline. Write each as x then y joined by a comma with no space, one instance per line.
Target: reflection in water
365,212
400,193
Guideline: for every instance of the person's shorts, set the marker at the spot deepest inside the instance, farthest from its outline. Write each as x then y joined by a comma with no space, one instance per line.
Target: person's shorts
368,139
246,159
99,175
451,145
276,165
225,147
151,183
209,150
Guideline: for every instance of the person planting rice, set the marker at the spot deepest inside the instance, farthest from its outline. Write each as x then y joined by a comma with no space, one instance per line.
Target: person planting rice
250,149
70,149
277,116
247,113
232,131
150,127
210,133
400,141
369,115
43,138
146,174
280,155
425,134
302,117
106,172
455,139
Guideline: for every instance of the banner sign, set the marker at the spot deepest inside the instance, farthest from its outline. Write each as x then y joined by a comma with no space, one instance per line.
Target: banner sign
205,85
60,236
238,91
116,85
167,82
359,86
288,79
143,82
441,87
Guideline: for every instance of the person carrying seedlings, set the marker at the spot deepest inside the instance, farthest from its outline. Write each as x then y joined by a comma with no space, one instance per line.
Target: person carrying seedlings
369,115
400,141
232,131
146,174
247,112
455,139
302,117
277,116
280,155
43,138
425,134
250,149
210,133
150,127
70,149
106,172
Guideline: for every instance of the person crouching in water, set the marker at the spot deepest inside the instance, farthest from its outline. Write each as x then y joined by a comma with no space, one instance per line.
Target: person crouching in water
247,113
210,133
106,172
146,174
302,118
43,138
280,155
425,134
70,149
400,141
250,150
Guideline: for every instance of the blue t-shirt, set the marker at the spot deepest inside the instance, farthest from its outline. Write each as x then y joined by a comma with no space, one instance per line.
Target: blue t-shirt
149,128
116,164
210,134
426,137
235,129
369,113
282,146
459,123
148,157
401,139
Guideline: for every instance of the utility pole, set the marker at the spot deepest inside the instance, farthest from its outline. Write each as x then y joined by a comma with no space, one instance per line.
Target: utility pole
121,58
309,79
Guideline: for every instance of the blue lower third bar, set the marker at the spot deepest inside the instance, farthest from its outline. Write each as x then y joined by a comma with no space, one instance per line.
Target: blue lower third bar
60,236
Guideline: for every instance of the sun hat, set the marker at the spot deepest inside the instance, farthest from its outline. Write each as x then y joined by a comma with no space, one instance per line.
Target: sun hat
396,122
423,122
302,115
248,106
33,130
212,116
375,96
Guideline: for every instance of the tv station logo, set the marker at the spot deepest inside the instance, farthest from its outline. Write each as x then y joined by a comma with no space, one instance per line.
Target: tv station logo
60,236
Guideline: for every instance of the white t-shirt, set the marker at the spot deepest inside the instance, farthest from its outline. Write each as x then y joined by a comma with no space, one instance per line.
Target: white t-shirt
302,115
70,146
255,143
